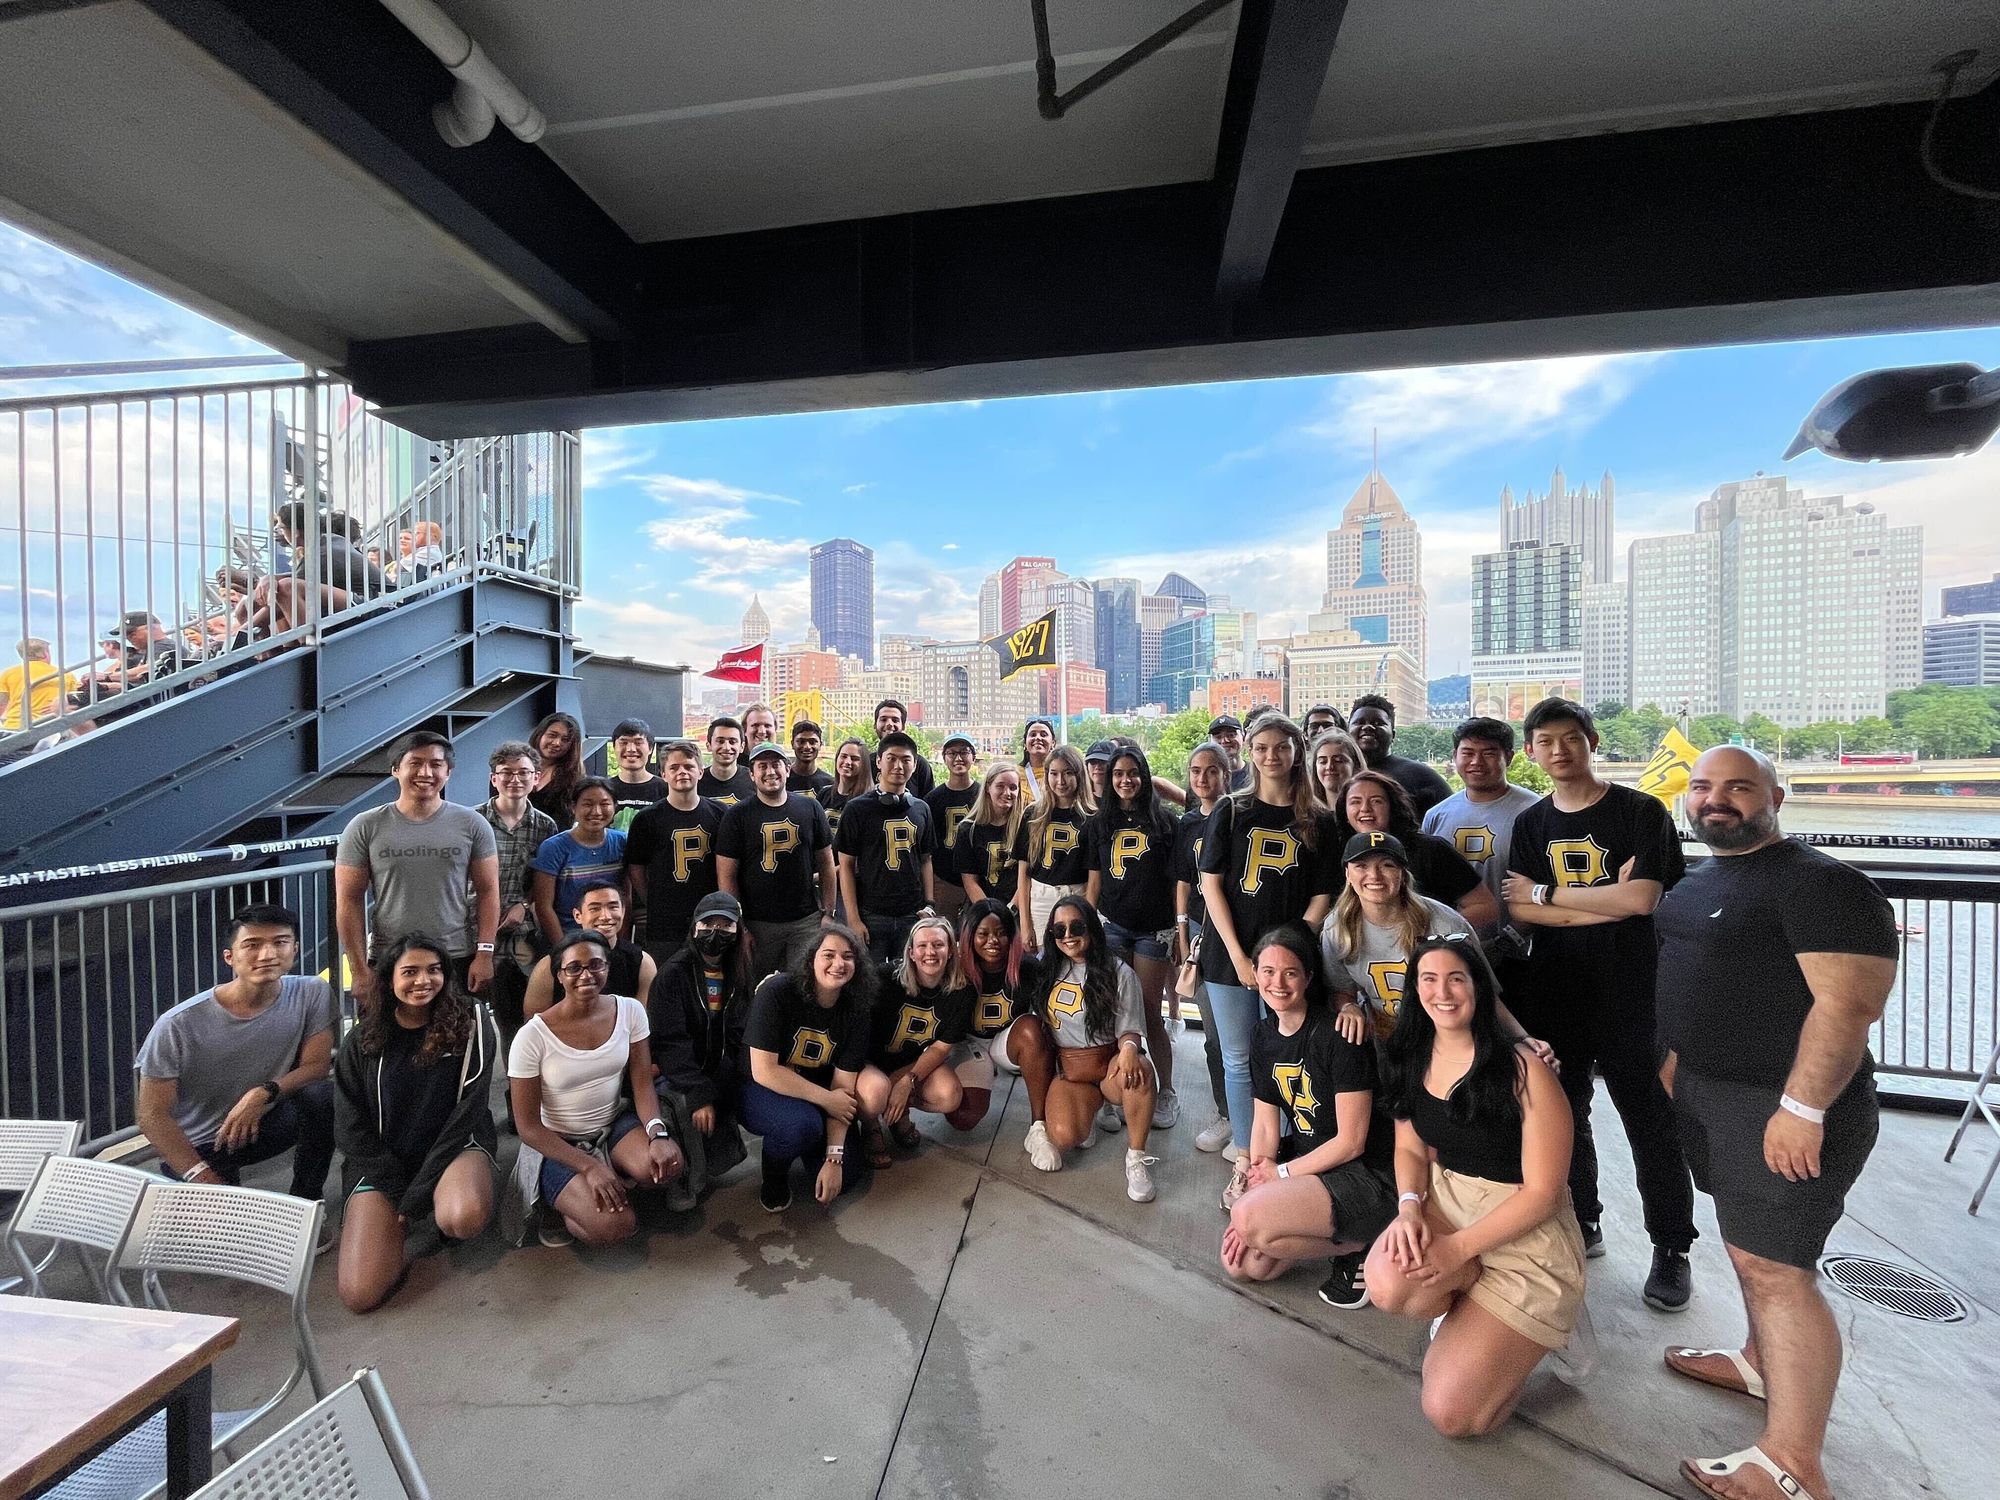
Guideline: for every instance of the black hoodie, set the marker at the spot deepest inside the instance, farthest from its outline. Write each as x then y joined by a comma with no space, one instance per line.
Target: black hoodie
359,1128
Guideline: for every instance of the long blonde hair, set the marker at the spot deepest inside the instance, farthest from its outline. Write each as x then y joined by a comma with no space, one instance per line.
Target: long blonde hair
1045,807
1412,923
1306,807
982,810
953,977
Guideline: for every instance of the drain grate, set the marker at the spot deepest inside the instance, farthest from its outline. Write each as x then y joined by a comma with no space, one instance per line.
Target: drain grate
1905,1292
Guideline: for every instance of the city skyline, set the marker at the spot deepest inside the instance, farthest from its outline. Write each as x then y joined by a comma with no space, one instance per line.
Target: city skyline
1233,485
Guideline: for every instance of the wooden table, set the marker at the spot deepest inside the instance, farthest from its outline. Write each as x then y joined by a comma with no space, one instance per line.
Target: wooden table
76,1376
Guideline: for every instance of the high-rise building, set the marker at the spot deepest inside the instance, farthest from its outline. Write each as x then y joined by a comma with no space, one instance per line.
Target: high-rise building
1073,687
1075,604
1963,651
1793,607
959,685
1192,652
1972,599
843,597
1020,574
1156,613
899,652
1674,583
989,606
1903,608
1607,652
1527,598
1375,572
1331,663
1185,590
756,624
1118,641
1579,517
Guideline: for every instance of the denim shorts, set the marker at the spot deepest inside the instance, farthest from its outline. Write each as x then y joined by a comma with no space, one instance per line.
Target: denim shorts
556,1176
1125,942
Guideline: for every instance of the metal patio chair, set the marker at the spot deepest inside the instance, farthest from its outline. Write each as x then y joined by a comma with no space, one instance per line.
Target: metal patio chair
348,1444
1977,1102
26,1146
201,1229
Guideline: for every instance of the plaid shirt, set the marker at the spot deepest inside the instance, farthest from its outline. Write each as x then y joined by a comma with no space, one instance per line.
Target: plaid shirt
517,847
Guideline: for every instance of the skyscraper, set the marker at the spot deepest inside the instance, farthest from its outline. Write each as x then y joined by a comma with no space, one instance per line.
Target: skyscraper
1375,570
989,606
1022,573
843,597
1118,641
1190,594
1607,650
1578,516
756,624
1156,613
1674,583
1527,599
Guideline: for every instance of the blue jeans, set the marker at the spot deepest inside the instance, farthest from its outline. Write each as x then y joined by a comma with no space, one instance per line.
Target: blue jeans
793,1130
1235,1011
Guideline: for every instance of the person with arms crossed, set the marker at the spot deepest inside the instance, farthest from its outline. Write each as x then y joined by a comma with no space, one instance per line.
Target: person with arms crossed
884,846
1775,961
670,851
726,781
1588,866
774,854
238,1074
419,856
1372,722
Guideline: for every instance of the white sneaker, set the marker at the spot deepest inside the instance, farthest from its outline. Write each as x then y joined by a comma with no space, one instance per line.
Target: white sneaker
1239,1184
1139,1181
1233,1152
1042,1153
1110,1117
1574,1362
1090,1140
1213,1136
1166,1111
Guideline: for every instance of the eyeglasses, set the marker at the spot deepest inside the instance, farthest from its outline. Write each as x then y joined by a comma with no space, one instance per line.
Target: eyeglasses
514,775
577,971
1061,930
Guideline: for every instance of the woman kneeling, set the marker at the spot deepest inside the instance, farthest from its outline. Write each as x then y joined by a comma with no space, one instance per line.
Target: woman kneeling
1319,1177
411,1119
916,1024
805,1043
1484,1239
1004,1032
1091,1004
571,1073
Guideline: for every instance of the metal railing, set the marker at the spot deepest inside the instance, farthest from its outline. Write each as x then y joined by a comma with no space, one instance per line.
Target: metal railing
1945,1008
82,981
151,539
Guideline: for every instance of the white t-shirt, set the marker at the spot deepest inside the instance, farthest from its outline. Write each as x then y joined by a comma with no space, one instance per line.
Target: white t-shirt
1377,972
579,1089
1066,1008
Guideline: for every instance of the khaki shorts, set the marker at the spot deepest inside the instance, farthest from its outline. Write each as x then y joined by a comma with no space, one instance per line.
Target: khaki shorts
1533,1284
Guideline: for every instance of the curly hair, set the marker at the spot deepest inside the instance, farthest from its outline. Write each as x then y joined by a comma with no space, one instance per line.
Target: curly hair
860,989
447,1028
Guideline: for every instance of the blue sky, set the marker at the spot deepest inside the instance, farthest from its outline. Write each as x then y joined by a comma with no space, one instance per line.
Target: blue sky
1233,485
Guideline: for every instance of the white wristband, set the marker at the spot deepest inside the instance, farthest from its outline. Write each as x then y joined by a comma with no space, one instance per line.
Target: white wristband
1416,1198
1804,1111
1541,895
1284,1169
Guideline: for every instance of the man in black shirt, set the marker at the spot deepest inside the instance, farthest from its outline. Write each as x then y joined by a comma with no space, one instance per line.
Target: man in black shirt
1227,731
884,845
890,718
670,851
807,741
1372,722
949,802
634,787
726,780
1776,960
1587,866
774,853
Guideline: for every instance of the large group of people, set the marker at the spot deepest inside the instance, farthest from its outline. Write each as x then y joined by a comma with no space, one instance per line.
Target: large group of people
1406,993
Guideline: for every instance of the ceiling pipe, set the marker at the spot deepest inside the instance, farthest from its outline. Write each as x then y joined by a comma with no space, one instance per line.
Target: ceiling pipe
482,93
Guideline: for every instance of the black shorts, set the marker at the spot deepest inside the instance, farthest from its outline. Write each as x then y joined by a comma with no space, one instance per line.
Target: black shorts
1364,1201
1722,1133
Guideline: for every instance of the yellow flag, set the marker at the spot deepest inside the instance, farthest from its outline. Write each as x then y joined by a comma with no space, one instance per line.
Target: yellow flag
1666,774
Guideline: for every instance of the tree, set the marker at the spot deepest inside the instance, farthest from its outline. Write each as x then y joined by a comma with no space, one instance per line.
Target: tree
1425,742
1763,733
1868,736
1711,730
1952,728
1610,708
1174,740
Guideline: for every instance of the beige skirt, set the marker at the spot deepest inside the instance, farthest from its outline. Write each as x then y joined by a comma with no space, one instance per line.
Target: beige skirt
1533,1284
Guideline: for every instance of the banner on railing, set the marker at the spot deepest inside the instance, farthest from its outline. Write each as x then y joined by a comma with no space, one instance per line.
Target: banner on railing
1921,843
231,853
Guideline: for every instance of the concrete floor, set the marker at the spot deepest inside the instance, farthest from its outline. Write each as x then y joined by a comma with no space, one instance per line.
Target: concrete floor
966,1326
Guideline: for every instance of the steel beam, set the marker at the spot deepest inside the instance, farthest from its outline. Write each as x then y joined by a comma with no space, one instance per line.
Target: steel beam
1279,65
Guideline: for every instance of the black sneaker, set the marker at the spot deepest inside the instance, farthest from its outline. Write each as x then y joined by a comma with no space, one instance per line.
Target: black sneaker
1593,1239
776,1194
1344,1287
1672,1282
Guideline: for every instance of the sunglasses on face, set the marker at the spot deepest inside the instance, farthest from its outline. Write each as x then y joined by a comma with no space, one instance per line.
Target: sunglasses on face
1061,930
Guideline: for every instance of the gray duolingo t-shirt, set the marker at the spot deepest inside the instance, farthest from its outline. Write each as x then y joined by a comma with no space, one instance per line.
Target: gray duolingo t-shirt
215,1058
421,872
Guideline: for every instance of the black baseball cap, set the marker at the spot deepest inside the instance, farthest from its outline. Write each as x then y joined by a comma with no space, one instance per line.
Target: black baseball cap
719,904
769,748
136,619
1102,750
1381,845
1225,721
958,739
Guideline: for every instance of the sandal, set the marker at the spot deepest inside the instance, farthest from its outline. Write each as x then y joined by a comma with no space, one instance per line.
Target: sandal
905,1134
1697,1472
875,1146
1747,1382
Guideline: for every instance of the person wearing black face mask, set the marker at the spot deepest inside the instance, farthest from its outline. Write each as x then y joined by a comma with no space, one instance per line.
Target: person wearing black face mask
697,991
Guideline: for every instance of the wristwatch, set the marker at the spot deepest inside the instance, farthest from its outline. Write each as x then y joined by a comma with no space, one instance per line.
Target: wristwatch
656,1130
271,1090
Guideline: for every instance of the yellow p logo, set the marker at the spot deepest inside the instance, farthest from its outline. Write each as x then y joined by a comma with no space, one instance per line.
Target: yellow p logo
810,1049
915,1024
779,838
690,849
1127,845
1061,838
1475,844
899,837
1578,861
1066,999
1273,851
995,1011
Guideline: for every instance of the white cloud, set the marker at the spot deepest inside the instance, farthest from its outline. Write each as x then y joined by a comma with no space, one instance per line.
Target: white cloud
949,547
855,489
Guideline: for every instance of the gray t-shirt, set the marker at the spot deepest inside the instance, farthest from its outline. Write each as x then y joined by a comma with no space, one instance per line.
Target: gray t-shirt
1377,973
1482,831
421,872
216,1058
1066,1008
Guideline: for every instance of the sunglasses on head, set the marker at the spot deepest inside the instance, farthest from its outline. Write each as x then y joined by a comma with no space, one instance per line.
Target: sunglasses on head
1061,930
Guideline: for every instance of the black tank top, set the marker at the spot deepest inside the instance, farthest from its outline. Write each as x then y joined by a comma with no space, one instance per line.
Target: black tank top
624,976
1487,1148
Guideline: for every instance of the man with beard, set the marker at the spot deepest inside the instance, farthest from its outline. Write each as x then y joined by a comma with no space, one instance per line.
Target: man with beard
1372,722
1775,961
